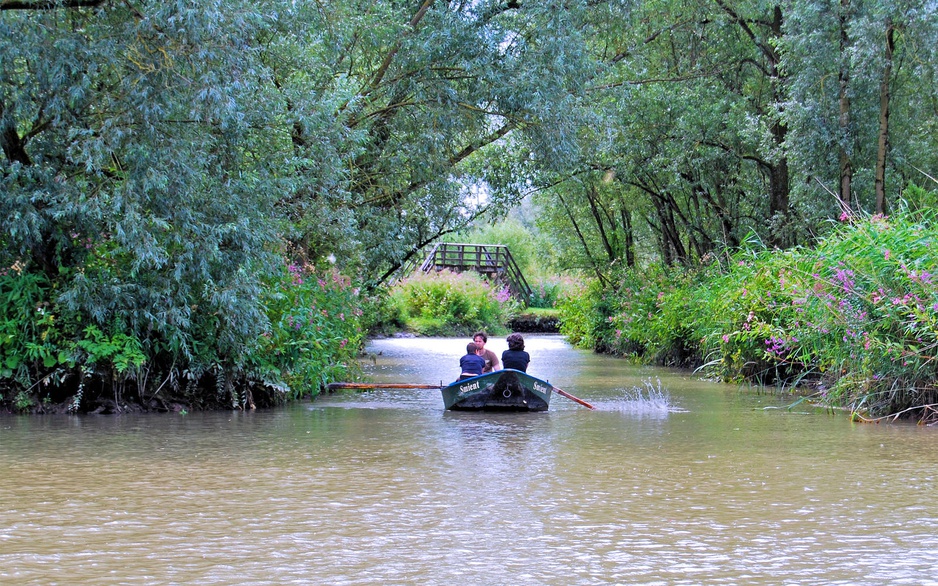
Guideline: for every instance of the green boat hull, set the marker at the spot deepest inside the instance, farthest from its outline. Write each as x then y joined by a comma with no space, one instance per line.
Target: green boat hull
502,390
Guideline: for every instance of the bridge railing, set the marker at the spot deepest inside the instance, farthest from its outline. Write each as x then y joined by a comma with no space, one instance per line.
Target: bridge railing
492,260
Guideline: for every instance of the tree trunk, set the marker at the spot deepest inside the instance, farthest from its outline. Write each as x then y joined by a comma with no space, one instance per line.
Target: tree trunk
779,188
883,143
779,212
629,237
592,197
846,166
582,239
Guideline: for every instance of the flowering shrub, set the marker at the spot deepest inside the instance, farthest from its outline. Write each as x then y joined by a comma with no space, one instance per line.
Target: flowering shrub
859,312
452,303
646,316
315,330
871,312
740,319
298,331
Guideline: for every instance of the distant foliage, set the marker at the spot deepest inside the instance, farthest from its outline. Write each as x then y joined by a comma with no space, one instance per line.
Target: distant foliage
447,303
526,245
547,291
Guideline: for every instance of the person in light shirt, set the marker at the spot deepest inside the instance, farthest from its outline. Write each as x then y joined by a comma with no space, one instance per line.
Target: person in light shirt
491,360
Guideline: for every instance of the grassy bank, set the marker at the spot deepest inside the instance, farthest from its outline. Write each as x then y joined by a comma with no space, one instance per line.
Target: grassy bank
458,304
853,320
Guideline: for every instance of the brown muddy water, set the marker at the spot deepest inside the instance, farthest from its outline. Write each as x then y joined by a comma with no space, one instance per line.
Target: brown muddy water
673,480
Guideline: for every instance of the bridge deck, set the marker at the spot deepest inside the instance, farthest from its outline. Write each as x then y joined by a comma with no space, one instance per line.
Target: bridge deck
492,260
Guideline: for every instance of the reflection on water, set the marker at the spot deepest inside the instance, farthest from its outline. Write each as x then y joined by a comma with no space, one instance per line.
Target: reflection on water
671,481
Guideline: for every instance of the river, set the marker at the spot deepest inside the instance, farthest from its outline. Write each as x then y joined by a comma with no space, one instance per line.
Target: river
672,480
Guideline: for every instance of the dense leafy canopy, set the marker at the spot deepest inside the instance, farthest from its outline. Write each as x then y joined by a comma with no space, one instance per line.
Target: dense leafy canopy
724,119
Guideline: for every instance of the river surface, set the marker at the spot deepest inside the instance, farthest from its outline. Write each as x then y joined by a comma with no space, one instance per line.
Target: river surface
672,480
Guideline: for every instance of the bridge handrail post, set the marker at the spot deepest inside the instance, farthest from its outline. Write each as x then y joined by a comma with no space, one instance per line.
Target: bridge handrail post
430,261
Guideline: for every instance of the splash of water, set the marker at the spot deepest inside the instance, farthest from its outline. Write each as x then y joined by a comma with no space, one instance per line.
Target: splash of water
648,399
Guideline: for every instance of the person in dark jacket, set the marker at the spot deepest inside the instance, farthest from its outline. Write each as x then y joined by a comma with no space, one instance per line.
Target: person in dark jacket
472,363
515,357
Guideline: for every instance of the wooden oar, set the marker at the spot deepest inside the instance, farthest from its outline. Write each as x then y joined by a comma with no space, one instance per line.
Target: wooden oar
572,398
334,386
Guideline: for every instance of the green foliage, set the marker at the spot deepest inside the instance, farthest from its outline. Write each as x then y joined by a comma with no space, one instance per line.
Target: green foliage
581,314
834,63
447,303
22,402
118,351
315,330
31,340
857,316
314,335
390,116
632,319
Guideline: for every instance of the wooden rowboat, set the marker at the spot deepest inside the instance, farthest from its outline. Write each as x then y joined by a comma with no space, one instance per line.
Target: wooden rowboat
502,390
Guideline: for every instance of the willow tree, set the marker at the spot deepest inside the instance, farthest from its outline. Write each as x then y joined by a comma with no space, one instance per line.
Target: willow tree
689,154
159,159
725,119
394,110
861,85
134,174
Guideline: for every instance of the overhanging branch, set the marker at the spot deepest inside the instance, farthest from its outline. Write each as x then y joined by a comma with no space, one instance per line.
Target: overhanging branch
48,4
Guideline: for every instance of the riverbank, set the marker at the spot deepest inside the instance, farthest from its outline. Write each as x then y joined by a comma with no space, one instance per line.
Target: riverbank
853,320
538,321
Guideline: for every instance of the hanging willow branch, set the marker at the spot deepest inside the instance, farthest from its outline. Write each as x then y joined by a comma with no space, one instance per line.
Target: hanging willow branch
48,4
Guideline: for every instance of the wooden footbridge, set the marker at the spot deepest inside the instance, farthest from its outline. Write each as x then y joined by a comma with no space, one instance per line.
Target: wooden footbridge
494,261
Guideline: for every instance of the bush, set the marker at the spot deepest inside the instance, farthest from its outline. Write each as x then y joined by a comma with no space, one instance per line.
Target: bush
858,313
447,303
580,313
50,354
315,331
546,292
